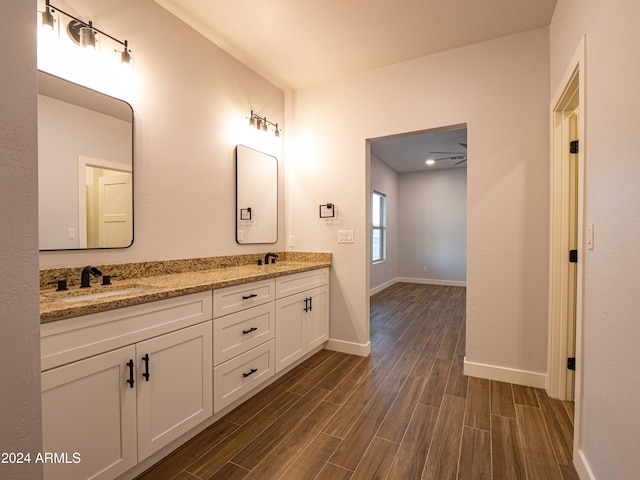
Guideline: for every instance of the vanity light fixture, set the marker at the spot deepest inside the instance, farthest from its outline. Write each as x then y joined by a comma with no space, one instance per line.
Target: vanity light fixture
261,123
82,33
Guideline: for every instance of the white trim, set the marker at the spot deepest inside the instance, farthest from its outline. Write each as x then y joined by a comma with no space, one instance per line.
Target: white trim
384,286
348,347
433,281
582,466
503,374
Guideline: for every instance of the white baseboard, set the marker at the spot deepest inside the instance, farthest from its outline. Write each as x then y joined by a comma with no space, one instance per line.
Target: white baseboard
432,281
424,281
380,288
582,466
348,347
502,374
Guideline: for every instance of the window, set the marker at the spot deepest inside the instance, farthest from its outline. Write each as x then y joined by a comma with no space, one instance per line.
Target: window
378,227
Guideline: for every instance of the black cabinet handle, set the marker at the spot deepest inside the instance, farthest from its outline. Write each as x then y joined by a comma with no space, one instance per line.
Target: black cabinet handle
252,329
253,295
145,359
251,372
306,304
310,303
130,381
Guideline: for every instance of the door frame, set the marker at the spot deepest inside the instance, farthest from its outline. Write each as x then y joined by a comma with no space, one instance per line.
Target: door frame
570,93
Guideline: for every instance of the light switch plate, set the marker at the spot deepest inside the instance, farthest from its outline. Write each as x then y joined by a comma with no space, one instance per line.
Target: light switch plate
292,241
345,236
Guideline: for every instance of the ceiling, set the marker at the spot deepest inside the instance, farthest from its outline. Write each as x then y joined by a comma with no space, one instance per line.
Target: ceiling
300,43
409,153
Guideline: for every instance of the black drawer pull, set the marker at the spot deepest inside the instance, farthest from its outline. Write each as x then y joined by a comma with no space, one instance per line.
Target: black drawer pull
252,329
130,365
146,366
306,304
251,372
247,297
310,303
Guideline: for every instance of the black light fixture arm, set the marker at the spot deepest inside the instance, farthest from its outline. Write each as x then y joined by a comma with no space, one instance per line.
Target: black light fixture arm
53,8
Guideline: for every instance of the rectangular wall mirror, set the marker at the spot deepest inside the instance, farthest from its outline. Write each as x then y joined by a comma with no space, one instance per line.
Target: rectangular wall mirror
85,167
256,196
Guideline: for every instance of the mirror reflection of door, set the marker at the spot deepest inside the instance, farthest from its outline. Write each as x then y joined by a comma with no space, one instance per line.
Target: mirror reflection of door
107,220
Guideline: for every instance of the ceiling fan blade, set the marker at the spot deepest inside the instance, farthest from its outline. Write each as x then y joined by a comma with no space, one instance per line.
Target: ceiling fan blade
462,161
463,144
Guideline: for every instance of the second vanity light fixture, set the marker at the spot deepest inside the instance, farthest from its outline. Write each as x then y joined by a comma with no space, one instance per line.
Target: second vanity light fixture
82,33
261,123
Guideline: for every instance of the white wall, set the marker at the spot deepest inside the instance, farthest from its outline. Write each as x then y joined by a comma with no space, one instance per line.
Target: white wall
610,423
20,417
191,103
433,225
500,90
385,180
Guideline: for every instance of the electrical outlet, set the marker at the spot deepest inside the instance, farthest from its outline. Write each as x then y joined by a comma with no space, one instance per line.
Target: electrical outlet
71,233
292,241
424,269
590,236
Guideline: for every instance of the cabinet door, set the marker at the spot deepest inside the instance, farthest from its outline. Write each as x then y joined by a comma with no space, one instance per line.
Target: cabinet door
89,408
177,395
290,330
317,319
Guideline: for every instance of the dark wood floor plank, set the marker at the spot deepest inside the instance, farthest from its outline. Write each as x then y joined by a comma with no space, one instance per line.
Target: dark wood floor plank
412,453
442,460
293,444
401,411
436,383
313,459
377,460
211,461
475,455
361,374
569,472
355,443
357,403
559,427
230,471
260,447
524,395
536,445
457,381
334,472
478,410
320,372
506,447
188,453
401,370
502,399
340,373
448,346
184,476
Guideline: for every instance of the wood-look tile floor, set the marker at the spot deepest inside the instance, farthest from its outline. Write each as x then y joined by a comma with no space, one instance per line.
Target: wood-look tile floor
405,412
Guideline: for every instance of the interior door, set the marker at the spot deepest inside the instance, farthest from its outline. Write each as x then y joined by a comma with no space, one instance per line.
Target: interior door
115,209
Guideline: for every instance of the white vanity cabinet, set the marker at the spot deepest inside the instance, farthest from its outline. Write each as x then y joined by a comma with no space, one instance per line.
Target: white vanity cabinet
302,315
243,340
97,399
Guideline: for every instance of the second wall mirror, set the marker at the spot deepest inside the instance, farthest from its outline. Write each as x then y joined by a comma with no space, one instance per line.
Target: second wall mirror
256,196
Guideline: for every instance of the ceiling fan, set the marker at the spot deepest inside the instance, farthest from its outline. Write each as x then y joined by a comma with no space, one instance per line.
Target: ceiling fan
462,156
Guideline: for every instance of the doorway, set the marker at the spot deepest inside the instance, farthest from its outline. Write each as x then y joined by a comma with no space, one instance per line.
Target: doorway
567,234
423,178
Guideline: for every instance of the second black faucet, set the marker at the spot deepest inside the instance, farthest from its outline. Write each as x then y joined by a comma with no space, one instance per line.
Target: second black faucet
85,279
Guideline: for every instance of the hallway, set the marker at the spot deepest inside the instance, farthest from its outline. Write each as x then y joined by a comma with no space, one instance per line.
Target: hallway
406,412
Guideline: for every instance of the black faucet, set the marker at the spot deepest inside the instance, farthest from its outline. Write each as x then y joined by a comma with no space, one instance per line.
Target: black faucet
270,254
85,279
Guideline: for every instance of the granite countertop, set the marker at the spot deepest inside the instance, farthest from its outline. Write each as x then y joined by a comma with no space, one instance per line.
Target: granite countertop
134,291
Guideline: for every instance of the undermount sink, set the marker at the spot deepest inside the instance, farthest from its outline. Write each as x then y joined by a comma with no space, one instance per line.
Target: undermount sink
91,296
99,291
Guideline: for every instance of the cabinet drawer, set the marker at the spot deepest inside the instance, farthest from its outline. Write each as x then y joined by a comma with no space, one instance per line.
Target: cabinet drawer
239,297
240,375
240,332
299,282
